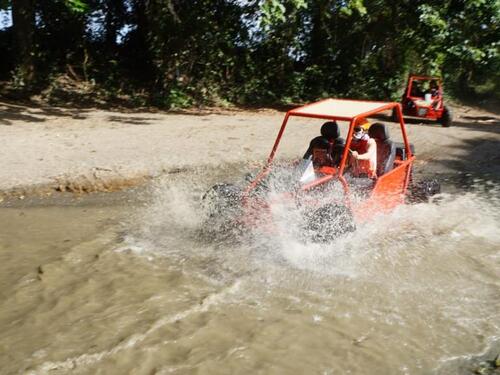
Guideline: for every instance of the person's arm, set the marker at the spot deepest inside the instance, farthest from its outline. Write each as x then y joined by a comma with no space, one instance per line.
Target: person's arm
372,149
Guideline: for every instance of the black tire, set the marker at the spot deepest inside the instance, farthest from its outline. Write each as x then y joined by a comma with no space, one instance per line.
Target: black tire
328,223
446,118
423,190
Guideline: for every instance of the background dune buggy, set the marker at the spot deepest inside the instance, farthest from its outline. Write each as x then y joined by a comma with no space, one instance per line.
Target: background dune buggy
423,97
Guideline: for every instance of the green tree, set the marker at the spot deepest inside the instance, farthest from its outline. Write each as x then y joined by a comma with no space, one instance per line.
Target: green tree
185,52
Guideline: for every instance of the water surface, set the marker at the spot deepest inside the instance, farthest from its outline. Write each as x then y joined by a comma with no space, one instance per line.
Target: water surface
121,288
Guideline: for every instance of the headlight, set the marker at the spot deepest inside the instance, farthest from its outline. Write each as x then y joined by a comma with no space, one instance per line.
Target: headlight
422,111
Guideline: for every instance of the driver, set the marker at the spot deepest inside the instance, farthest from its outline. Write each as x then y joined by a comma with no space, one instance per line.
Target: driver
363,154
327,149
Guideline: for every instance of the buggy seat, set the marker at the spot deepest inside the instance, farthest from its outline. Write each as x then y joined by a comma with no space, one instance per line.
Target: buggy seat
386,149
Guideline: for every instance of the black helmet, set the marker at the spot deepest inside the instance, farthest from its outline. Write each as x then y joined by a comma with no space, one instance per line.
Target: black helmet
330,130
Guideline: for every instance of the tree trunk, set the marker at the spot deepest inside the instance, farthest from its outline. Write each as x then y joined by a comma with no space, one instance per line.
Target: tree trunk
23,19
319,34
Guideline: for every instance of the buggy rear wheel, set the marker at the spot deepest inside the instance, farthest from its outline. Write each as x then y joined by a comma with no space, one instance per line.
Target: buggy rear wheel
423,190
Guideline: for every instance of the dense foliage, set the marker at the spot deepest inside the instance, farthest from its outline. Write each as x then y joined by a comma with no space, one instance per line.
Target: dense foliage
185,52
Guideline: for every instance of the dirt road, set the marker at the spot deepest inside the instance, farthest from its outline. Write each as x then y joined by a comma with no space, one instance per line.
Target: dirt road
48,149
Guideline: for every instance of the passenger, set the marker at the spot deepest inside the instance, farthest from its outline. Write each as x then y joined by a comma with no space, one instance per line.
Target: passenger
364,123
363,154
432,94
434,89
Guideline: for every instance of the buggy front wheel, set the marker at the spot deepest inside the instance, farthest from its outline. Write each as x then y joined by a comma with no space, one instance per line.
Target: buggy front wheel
446,118
329,222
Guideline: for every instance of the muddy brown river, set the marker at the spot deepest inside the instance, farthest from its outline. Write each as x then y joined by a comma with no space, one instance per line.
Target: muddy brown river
139,288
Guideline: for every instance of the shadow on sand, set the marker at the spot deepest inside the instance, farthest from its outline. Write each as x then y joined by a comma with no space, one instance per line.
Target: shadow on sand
36,113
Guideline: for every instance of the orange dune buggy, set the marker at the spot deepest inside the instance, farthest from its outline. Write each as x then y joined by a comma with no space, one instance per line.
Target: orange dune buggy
423,97
330,197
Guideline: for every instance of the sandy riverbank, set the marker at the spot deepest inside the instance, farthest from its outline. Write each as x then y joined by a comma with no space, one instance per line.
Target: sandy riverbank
49,149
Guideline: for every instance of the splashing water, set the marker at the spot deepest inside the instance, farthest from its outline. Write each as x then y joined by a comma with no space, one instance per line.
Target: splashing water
425,274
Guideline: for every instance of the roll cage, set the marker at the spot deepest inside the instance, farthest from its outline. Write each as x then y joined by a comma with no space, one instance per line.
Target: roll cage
335,109
411,82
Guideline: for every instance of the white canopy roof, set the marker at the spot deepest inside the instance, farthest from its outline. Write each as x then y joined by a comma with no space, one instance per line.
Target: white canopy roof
341,109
